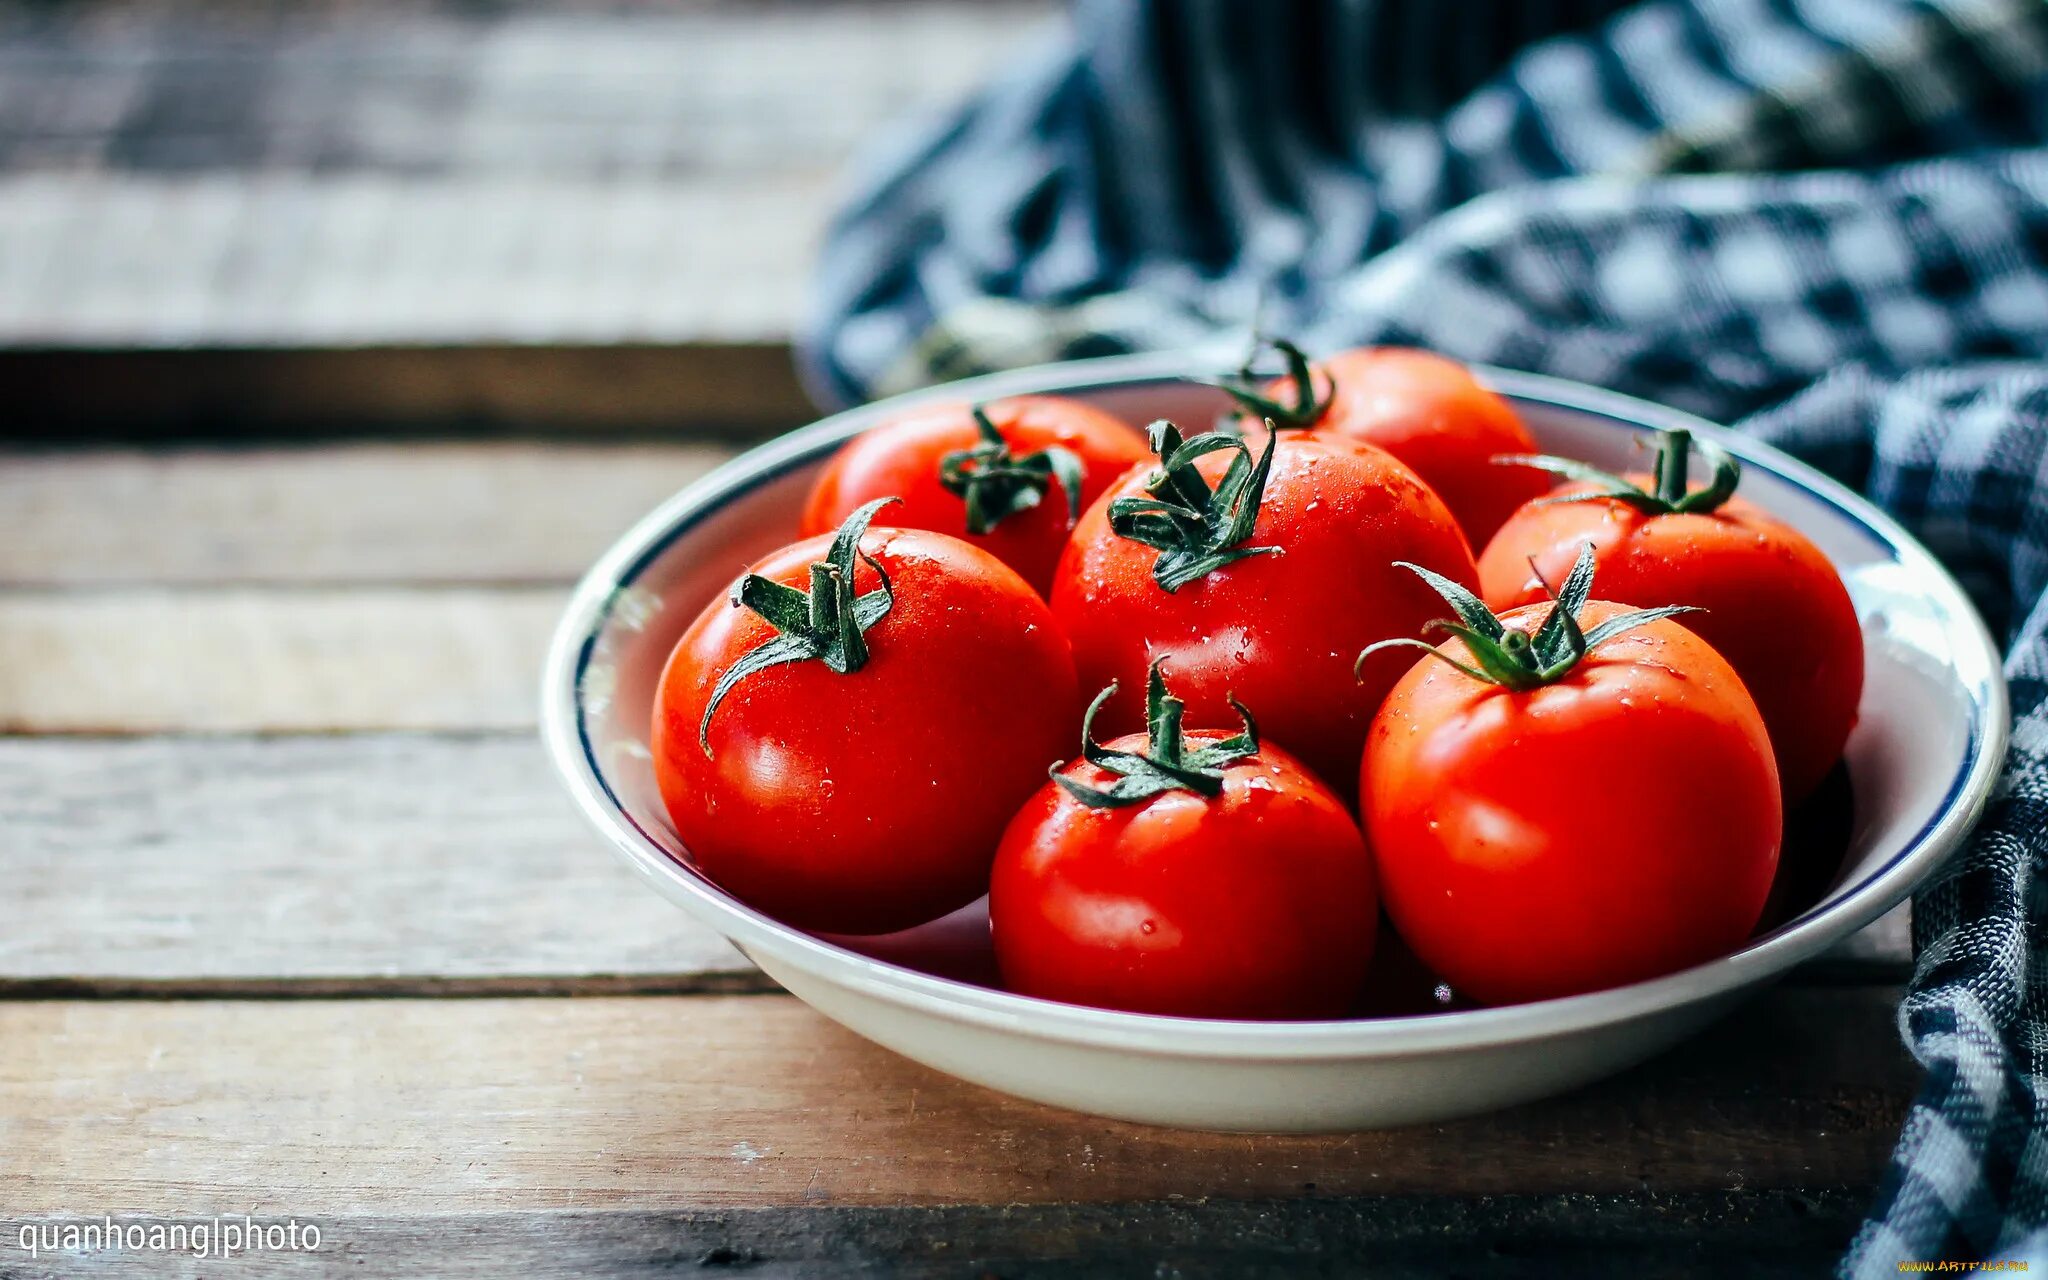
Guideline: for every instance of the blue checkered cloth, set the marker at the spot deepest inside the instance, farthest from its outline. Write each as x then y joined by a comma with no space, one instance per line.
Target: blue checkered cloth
1822,220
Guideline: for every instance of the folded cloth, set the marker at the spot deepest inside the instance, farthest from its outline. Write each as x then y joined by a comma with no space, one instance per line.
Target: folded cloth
1824,221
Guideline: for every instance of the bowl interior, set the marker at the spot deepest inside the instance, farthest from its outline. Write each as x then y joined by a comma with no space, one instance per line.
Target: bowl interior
1930,710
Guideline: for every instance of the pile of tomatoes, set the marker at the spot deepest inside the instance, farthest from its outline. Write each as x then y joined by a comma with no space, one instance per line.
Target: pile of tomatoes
1278,698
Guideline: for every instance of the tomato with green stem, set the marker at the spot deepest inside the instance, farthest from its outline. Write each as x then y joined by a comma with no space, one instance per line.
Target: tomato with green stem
1260,575
1010,476
1425,409
842,745
1569,797
1197,873
1769,600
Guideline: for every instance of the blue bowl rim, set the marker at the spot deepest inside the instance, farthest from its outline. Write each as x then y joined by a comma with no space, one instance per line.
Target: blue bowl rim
564,733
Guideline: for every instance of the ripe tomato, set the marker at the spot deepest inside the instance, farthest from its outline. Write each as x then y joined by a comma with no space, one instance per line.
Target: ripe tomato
1555,811
844,750
1200,874
1770,601
1264,586
1426,410
1009,477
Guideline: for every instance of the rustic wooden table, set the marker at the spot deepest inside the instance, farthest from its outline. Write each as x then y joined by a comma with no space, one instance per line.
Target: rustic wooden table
299,925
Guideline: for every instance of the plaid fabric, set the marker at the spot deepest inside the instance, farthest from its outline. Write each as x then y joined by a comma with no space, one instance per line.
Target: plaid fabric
1823,220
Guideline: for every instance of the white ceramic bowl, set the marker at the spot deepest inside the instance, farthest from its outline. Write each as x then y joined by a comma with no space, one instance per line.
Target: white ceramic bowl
1922,761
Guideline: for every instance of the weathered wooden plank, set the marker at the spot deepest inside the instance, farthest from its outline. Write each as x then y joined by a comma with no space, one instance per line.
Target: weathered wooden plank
274,174
243,659
387,864
507,512
306,260
311,865
336,1107
379,215
429,88
1744,1233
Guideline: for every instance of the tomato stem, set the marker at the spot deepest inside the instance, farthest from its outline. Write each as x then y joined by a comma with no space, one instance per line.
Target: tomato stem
1196,530
1668,493
1511,658
1246,387
995,484
827,624
1167,763
1674,457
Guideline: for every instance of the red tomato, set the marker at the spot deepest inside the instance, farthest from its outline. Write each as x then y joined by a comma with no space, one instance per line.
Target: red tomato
1267,587
1230,884
1011,487
1771,603
1426,410
1617,820
856,778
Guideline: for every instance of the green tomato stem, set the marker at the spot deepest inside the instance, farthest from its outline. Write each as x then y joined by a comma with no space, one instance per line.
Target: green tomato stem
1514,659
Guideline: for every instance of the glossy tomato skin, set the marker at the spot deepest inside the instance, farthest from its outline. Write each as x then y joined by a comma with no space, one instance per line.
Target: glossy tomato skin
872,801
901,458
1257,903
1771,603
1279,631
1432,414
1620,824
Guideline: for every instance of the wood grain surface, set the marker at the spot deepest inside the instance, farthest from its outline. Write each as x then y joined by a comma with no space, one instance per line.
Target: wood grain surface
321,864
1759,1235
232,217
248,660
332,1107
1518,1238
421,513
366,863
278,175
